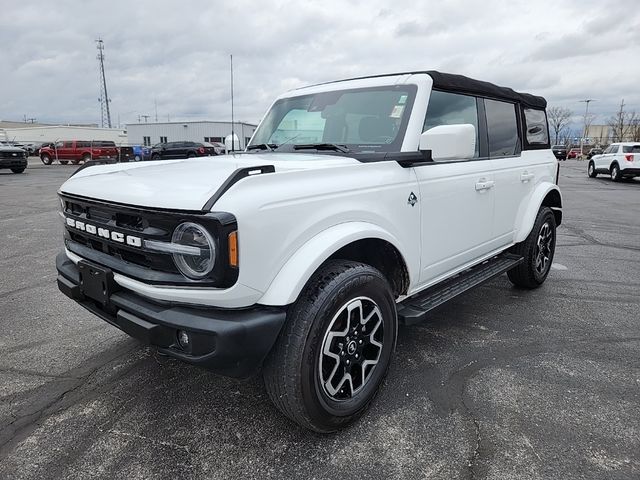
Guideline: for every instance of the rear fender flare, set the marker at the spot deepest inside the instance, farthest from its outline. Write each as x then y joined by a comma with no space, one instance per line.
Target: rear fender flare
528,219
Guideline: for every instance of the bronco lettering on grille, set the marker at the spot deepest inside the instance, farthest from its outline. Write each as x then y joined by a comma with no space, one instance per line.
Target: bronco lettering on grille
119,237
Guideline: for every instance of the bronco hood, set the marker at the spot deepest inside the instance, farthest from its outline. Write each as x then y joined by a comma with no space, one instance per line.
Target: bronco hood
182,184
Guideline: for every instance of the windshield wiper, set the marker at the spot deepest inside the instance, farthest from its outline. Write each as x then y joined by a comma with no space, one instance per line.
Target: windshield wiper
263,146
322,146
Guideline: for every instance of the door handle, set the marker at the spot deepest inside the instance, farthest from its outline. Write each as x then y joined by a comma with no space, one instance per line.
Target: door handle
484,184
526,176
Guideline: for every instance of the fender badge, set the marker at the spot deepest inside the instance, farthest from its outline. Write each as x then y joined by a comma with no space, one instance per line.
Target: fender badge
412,199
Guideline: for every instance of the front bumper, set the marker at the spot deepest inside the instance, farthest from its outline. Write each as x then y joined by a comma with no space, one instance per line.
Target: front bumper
18,162
229,342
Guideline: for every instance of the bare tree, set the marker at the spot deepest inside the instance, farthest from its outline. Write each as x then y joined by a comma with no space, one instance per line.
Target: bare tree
623,124
635,129
559,121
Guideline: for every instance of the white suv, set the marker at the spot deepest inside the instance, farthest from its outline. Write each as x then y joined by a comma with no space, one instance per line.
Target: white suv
620,160
358,205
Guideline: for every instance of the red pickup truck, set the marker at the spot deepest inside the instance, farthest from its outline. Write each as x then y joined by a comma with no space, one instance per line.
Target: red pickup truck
75,151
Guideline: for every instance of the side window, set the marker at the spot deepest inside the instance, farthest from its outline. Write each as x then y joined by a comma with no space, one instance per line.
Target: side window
502,128
536,124
68,145
450,109
631,149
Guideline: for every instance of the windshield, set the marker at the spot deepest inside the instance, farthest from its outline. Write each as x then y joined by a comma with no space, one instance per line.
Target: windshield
364,119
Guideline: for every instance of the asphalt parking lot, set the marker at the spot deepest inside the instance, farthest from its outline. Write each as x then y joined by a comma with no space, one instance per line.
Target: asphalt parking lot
500,383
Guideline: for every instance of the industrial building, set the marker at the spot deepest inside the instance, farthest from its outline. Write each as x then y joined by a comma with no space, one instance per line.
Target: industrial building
41,133
203,131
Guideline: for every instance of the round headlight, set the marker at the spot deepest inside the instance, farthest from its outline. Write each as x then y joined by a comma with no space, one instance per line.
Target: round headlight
198,261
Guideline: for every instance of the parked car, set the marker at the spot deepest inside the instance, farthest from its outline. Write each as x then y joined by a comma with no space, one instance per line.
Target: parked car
75,151
560,151
620,160
133,153
13,158
593,151
303,255
167,150
574,153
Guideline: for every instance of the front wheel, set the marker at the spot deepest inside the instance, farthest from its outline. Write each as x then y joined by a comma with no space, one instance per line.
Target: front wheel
537,250
46,159
18,170
592,170
335,347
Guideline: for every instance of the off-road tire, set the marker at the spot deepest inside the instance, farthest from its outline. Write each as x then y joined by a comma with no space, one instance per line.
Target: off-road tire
292,370
591,170
18,170
526,275
615,173
46,159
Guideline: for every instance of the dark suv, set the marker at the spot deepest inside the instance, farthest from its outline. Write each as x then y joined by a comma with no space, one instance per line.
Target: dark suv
182,150
560,151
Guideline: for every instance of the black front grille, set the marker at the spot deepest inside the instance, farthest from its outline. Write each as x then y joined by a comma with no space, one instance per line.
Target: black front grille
13,154
147,224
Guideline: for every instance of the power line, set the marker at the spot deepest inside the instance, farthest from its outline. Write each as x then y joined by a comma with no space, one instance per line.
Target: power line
104,96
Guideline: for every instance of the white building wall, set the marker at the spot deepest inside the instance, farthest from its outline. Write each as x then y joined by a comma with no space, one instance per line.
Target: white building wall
62,132
187,131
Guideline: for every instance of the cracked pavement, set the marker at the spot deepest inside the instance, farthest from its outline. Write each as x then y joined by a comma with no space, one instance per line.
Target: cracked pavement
498,384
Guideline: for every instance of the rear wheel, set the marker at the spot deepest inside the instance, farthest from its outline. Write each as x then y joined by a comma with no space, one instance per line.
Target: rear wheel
85,158
592,170
18,170
63,162
335,348
46,159
615,173
537,250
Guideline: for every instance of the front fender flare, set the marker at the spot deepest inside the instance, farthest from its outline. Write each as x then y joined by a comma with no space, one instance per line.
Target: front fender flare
292,277
527,219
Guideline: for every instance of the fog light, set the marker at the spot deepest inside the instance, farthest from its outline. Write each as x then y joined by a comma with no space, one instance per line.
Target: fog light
183,339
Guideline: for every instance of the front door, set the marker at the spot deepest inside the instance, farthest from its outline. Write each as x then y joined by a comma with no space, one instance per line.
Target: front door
456,201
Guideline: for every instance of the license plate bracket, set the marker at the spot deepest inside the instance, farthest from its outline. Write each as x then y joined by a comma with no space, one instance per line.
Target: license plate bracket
96,282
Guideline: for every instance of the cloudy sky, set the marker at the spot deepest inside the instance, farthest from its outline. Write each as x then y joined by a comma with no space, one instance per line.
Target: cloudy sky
177,53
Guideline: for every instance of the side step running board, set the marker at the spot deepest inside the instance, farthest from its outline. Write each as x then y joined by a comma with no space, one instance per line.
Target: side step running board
414,309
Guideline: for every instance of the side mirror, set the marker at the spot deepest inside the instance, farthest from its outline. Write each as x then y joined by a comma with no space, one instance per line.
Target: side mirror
450,142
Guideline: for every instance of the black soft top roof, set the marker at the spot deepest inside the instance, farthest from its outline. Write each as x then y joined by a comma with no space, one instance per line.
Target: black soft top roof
462,84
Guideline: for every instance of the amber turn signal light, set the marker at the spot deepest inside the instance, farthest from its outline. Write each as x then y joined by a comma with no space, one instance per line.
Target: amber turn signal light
233,249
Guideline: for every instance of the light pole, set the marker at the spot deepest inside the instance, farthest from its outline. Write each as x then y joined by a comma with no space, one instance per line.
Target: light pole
584,129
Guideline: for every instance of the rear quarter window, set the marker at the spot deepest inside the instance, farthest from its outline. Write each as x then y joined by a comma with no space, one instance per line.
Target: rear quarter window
536,126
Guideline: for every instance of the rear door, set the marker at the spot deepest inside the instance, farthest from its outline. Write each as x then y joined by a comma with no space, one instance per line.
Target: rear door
516,171
604,161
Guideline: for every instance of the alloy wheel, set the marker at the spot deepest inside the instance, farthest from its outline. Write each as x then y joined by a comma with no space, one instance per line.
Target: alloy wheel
544,246
351,349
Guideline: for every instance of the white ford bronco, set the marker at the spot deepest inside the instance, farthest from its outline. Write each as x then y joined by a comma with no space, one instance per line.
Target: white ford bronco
357,205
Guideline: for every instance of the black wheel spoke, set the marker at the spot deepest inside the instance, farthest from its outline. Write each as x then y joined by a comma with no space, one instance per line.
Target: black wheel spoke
351,348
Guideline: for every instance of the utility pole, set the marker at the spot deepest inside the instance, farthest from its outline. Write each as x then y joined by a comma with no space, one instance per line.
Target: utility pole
232,131
155,103
584,129
104,96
